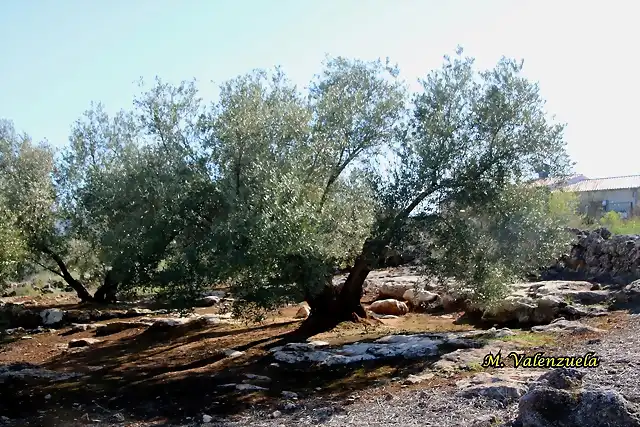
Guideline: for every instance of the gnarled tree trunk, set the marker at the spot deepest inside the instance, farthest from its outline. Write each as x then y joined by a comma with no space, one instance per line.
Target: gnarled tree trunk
341,304
106,293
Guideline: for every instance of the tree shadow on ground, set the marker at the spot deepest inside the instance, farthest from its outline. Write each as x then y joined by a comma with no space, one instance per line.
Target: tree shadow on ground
175,374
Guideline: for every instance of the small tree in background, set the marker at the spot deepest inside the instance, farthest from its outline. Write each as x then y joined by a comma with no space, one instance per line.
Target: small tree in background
13,247
31,205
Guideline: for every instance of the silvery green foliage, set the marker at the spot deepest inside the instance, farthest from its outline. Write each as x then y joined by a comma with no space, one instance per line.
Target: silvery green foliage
28,206
268,188
473,140
478,251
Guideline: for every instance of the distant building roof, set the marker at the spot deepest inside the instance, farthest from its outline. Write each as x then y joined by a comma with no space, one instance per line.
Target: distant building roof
603,184
558,182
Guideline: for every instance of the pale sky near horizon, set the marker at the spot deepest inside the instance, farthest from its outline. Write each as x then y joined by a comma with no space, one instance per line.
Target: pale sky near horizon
59,55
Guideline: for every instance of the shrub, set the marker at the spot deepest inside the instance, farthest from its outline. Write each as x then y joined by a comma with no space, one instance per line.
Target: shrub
617,225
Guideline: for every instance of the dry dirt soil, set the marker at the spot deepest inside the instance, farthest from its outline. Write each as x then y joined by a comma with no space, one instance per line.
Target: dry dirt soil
143,377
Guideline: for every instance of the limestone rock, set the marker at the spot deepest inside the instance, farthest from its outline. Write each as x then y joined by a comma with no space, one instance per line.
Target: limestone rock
407,346
249,387
563,325
208,301
419,378
83,342
256,378
562,378
501,391
389,306
551,407
303,312
52,316
485,421
28,372
556,399
133,312
119,326
419,297
628,297
233,353
81,327
395,289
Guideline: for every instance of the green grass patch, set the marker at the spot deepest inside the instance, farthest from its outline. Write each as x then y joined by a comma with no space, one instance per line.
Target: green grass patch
617,225
530,339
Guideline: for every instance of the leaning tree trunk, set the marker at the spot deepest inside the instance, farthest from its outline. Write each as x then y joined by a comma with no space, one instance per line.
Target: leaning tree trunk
80,289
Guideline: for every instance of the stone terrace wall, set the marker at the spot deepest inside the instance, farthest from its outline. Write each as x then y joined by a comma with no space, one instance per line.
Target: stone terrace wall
600,257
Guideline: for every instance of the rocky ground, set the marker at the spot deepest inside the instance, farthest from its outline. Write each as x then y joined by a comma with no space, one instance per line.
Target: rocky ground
66,365
480,399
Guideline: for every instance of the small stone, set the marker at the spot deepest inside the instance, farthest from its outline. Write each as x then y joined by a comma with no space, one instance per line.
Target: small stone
289,406
417,379
249,387
485,421
289,395
233,353
47,397
258,378
276,414
207,419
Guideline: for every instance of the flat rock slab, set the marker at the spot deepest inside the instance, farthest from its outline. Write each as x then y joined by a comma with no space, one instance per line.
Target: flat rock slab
83,342
506,386
463,359
27,372
81,327
195,321
391,346
565,326
574,291
52,316
119,326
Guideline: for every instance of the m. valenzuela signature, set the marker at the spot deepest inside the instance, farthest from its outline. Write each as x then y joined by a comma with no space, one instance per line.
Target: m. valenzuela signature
539,360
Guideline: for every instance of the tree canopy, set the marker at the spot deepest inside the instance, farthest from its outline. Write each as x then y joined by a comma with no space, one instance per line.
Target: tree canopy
269,188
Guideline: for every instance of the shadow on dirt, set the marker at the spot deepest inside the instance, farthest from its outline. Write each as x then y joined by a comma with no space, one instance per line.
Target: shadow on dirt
174,374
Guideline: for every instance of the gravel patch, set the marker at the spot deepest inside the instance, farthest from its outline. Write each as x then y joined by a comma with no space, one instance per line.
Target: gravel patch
620,360
431,408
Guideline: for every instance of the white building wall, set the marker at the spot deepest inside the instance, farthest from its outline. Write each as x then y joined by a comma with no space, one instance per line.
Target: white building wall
591,201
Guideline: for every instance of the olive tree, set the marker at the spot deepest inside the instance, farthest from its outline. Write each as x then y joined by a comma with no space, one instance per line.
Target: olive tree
471,139
31,207
135,186
269,189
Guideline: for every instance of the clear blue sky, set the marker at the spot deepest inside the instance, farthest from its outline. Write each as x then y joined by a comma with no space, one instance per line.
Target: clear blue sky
59,55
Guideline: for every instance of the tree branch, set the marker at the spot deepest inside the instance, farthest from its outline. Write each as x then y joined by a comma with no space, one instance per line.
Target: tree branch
46,267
